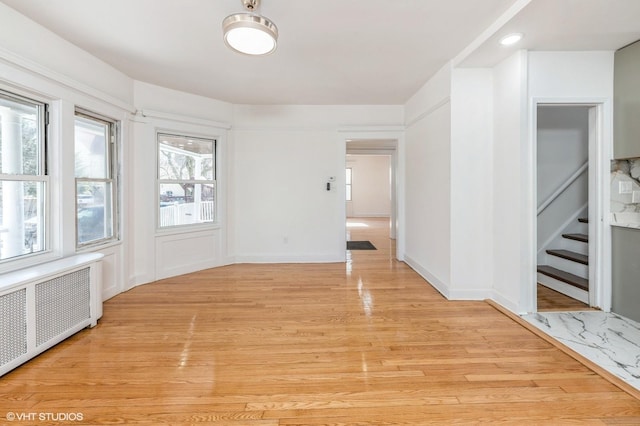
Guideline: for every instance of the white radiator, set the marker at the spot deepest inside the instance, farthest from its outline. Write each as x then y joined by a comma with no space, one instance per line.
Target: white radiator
43,305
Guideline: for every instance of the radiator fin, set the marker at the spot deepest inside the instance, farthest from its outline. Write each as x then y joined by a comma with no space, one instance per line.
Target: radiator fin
13,317
61,303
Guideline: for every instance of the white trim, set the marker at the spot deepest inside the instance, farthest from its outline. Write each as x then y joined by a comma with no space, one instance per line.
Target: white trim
34,68
372,134
527,300
289,258
376,215
370,129
429,277
147,113
600,148
506,303
566,184
432,108
202,262
470,294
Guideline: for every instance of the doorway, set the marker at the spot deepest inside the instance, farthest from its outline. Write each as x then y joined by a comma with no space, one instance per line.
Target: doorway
371,177
568,208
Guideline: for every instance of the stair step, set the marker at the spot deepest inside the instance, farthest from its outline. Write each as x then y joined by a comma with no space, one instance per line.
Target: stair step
563,276
583,220
570,255
577,237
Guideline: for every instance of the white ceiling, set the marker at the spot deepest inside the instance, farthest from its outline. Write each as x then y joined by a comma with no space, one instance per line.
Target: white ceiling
329,51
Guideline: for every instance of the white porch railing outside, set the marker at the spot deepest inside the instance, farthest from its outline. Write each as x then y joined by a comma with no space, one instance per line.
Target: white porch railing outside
185,214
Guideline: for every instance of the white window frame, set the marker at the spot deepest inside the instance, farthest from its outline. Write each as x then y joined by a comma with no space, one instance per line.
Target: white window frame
112,179
349,184
212,182
41,177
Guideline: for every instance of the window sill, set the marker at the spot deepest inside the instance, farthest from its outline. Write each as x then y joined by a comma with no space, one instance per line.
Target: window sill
98,246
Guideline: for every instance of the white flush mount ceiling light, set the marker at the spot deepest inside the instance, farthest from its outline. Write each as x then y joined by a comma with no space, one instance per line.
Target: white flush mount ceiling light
250,33
511,39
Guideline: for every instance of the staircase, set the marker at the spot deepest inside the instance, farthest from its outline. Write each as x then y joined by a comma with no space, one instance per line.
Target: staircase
567,270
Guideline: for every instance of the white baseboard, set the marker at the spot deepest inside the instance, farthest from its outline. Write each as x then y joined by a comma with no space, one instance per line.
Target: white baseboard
481,294
257,258
430,278
506,303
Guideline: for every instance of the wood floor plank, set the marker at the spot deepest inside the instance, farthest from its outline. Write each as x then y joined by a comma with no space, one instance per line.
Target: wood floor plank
366,342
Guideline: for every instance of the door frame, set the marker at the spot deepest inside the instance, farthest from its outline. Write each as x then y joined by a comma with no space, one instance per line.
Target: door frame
378,138
600,149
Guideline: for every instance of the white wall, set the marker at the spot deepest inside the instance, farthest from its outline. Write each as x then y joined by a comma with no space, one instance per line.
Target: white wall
510,216
40,65
283,158
562,145
371,186
582,78
180,106
428,181
31,46
272,168
275,162
471,183
562,148
575,76
162,253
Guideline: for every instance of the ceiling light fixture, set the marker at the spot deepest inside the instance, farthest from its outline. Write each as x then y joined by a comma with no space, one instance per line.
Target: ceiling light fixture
250,33
511,39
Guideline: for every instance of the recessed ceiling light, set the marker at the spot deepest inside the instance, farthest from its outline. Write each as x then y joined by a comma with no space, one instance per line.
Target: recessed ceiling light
511,39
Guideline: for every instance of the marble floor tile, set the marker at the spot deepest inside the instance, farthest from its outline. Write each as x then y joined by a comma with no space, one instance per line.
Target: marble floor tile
607,339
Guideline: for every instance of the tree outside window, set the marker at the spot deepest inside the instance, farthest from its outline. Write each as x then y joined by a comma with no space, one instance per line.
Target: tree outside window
186,180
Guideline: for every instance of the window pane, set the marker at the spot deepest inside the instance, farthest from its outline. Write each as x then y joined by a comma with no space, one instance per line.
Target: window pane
19,137
91,148
21,218
94,218
348,192
348,176
184,158
186,203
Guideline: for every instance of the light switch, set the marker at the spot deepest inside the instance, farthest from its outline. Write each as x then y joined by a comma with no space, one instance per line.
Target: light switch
625,187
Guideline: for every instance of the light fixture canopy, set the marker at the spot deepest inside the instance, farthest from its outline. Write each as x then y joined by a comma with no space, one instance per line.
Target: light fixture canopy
511,39
250,33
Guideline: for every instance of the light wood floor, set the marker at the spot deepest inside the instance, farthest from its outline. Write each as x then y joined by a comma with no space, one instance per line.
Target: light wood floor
551,301
368,343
